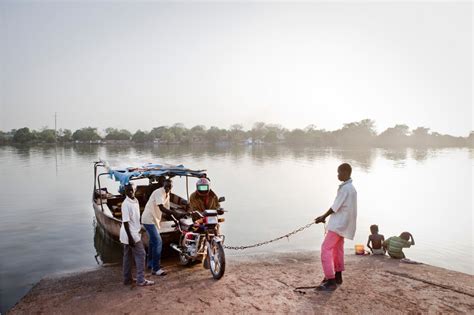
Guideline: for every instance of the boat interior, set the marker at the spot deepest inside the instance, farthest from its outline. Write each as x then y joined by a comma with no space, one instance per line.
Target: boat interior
142,193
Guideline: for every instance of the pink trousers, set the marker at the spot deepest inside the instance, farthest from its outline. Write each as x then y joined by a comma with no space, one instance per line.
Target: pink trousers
332,254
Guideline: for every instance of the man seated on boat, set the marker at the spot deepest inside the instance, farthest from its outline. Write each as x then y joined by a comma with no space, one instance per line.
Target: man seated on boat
203,198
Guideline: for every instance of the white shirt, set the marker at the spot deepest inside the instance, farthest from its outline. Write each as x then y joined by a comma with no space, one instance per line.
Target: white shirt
152,213
343,220
130,214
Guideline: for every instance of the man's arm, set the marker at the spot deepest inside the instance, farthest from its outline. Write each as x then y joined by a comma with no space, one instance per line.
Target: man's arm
131,241
340,199
322,219
165,210
125,219
368,244
412,240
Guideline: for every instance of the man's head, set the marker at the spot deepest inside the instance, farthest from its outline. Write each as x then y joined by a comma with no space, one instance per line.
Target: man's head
344,172
167,185
129,191
203,186
405,236
374,229
161,181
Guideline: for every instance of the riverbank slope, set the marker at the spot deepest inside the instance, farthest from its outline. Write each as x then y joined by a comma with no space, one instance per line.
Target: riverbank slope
259,283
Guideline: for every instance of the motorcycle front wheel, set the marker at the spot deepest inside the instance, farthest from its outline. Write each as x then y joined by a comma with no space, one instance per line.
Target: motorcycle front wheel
216,256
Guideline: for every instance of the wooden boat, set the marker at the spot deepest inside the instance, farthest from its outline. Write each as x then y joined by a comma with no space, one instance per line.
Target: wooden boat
107,206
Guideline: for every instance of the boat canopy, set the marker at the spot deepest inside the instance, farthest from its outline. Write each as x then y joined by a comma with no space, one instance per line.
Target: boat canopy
123,175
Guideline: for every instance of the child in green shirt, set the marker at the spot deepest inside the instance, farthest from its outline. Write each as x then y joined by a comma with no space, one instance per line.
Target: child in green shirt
395,244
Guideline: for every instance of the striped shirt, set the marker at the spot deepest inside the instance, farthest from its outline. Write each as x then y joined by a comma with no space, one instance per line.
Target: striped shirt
394,245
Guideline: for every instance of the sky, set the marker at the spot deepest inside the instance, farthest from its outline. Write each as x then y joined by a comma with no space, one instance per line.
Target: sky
141,65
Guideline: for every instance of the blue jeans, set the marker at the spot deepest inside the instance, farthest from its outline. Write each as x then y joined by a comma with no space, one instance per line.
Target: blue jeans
154,246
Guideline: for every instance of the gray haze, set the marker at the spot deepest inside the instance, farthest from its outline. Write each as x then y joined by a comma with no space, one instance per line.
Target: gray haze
140,65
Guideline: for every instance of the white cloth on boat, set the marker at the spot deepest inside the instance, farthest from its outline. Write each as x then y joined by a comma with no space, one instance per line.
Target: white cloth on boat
343,220
130,214
152,212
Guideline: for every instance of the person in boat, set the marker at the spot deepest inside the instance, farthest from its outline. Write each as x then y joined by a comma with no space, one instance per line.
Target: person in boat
395,244
376,240
133,248
342,224
203,198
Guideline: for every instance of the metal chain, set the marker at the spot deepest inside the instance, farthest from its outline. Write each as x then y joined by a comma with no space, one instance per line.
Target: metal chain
271,241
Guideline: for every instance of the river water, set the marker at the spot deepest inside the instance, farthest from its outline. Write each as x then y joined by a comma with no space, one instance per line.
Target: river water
47,221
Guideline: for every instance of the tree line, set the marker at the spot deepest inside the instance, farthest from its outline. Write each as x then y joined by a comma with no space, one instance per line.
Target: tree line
354,133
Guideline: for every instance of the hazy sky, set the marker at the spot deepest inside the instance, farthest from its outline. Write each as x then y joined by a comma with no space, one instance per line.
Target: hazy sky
140,65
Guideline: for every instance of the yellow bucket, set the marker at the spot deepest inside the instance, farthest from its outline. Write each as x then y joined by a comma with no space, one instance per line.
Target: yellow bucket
359,249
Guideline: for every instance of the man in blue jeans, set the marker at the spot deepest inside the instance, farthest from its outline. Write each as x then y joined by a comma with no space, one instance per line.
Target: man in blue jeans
158,203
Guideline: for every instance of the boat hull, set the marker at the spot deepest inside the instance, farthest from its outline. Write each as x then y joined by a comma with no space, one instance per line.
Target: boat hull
112,227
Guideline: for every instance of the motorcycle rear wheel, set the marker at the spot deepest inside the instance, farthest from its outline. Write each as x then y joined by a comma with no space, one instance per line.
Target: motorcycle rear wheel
216,256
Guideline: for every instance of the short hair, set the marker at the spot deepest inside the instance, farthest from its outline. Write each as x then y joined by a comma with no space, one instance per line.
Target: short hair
346,167
405,236
374,228
128,187
167,181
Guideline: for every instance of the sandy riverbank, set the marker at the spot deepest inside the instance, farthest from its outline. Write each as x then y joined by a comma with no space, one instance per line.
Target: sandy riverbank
262,283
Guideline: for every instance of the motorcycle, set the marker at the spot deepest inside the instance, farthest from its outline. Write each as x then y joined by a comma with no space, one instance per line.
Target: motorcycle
200,239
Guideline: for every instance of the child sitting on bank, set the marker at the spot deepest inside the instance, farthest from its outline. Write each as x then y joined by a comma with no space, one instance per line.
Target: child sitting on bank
377,241
395,244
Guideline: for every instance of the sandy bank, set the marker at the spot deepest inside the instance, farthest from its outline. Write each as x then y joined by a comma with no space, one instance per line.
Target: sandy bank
255,284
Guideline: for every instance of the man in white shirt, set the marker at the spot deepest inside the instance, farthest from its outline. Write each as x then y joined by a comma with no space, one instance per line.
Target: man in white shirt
342,224
133,248
158,203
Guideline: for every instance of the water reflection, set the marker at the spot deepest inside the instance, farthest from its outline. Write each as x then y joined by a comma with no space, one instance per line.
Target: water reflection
398,156
23,152
108,251
87,150
362,158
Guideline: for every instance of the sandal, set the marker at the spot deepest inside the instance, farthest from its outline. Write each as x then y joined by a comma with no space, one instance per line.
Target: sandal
146,283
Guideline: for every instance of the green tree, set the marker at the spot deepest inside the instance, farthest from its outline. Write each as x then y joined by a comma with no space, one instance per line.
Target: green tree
314,135
236,133
139,137
271,137
179,131
397,135
65,135
421,136
197,133
214,134
86,134
168,137
47,135
115,134
157,133
23,135
3,137
357,133
258,131
470,139
295,136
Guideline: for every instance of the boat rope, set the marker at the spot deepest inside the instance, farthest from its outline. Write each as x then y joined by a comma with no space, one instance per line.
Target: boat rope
287,236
